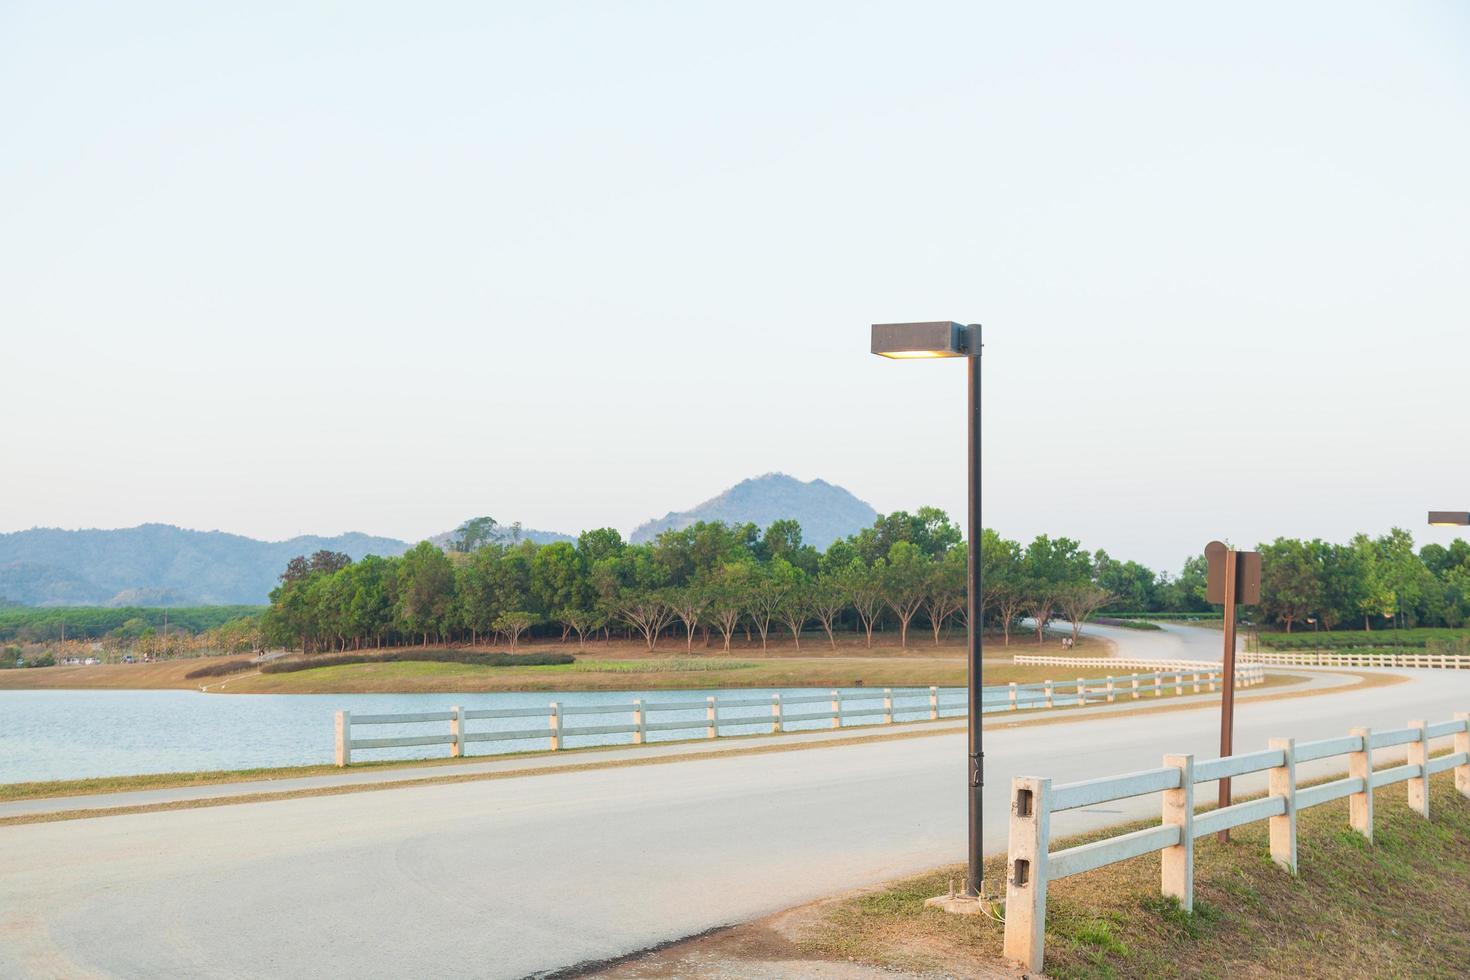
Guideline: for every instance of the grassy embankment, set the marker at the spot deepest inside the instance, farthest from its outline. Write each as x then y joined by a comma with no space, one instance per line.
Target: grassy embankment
1391,909
612,667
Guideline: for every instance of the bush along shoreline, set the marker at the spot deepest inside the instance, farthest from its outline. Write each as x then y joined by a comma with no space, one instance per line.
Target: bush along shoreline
432,656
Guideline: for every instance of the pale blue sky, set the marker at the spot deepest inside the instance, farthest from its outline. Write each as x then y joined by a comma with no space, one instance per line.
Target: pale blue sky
284,268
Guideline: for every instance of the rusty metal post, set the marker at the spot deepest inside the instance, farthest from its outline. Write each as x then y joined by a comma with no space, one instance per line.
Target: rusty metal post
1227,701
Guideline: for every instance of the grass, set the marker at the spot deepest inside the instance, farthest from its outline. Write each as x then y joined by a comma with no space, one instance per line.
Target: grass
1391,909
615,666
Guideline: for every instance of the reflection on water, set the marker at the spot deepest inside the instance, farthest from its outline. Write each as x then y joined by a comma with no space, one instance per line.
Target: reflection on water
78,734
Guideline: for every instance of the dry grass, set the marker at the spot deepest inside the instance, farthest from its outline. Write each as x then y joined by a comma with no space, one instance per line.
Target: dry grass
605,667
1392,909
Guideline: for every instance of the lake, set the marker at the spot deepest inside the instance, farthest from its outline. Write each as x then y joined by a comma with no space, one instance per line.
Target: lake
79,734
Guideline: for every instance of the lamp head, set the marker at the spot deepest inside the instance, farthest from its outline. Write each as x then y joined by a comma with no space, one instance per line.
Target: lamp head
1449,518
941,338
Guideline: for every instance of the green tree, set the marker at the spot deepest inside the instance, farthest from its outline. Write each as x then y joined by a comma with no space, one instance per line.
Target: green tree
426,589
1291,580
905,576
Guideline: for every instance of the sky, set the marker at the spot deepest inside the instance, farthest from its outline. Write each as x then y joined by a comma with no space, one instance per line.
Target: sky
285,268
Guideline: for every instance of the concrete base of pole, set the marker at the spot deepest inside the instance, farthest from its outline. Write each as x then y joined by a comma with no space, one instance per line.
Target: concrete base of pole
963,905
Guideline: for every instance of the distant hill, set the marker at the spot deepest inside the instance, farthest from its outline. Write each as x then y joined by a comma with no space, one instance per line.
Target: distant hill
826,512
156,564
164,565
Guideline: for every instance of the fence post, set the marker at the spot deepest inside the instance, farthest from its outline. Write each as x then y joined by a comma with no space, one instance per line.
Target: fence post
1159,685
1135,687
933,704
1196,682
1081,692
1048,694
776,714
1111,690
1014,705
555,722
1462,748
1282,783
344,738
888,706
640,724
1026,872
456,728
1419,756
712,717
1360,766
1212,682
1178,861
836,709
1178,683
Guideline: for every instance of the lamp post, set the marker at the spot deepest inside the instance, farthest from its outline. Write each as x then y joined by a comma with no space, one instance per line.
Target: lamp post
905,341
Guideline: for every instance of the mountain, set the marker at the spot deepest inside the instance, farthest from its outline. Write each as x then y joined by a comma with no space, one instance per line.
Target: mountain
159,562
164,565
826,512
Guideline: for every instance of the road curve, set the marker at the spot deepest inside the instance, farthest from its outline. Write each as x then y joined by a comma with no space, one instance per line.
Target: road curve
1170,641
508,877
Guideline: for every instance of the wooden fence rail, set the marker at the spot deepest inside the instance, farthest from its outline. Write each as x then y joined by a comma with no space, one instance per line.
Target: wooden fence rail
556,722
1031,865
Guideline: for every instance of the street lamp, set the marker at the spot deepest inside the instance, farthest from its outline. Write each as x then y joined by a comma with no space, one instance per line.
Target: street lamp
905,341
1449,518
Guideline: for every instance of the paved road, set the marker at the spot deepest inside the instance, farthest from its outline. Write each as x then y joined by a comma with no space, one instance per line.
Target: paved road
507,877
1169,642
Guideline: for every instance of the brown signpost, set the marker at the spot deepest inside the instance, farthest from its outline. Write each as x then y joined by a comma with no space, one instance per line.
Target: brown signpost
1234,578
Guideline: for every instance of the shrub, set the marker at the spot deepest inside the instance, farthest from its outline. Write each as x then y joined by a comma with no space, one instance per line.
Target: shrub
432,656
219,669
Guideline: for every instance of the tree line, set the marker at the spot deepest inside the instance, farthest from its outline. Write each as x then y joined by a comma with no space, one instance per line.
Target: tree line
1368,582
708,583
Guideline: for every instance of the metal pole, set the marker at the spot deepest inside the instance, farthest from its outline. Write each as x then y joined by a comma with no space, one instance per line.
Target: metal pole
976,627
1227,704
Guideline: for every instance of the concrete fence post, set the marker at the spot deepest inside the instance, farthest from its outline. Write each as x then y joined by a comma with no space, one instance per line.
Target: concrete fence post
836,709
1111,690
1014,704
1196,682
1212,682
344,738
1178,683
456,728
1049,703
1360,766
1025,934
640,723
1159,685
888,706
776,714
555,723
1419,756
1081,691
933,704
1282,782
1178,861
712,717
1135,687
1462,748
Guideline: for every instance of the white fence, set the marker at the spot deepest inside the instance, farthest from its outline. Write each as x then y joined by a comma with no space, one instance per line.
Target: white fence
1040,661
712,714
1031,865
1302,658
